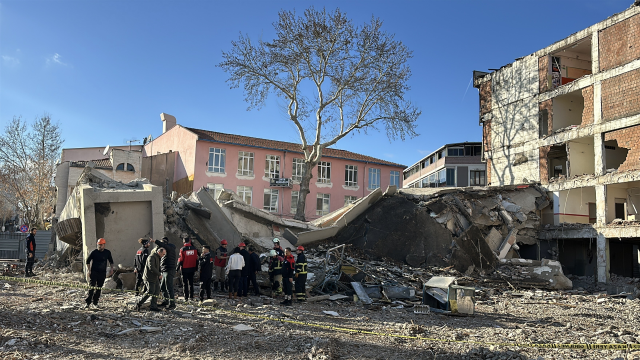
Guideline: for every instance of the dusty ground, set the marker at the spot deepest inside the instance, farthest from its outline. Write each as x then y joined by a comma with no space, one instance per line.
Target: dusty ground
40,322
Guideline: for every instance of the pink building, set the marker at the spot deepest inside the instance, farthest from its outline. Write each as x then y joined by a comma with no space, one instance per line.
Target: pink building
249,166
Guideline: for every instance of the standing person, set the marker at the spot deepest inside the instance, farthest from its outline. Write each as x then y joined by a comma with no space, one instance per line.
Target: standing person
301,275
277,247
152,277
206,272
288,269
139,263
220,263
275,272
234,271
254,267
244,277
168,269
30,248
188,262
97,266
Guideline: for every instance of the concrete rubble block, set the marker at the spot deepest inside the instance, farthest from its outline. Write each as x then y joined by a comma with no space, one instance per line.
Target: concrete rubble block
443,217
486,220
362,294
150,329
338,297
521,216
399,292
218,223
198,209
547,273
242,327
525,199
472,249
494,239
332,313
508,242
510,207
128,280
506,217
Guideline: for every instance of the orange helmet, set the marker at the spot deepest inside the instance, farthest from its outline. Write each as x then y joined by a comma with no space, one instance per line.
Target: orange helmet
301,248
102,241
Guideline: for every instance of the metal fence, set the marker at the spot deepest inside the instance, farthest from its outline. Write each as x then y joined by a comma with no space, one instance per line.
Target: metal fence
12,244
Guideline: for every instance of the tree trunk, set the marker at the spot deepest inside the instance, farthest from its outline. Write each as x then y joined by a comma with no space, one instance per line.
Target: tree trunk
304,190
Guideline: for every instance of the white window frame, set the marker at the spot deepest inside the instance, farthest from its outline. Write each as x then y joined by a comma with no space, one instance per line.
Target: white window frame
374,174
294,201
245,192
272,167
217,188
298,169
273,204
245,163
324,172
394,175
350,199
217,159
325,202
351,175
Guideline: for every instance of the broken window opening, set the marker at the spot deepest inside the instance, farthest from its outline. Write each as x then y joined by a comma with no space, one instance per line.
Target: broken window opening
614,155
567,111
581,159
574,206
570,63
543,123
622,203
558,161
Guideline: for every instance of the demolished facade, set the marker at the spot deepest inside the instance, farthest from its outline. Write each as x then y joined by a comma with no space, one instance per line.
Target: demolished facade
568,117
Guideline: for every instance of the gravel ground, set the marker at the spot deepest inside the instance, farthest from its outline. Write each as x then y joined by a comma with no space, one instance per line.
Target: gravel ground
41,322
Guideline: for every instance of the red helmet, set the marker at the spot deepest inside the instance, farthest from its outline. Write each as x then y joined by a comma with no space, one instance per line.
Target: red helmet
223,242
241,245
301,248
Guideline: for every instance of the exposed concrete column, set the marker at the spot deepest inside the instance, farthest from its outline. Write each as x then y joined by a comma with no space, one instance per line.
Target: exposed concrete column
597,102
599,154
556,208
601,205
603,258
595,52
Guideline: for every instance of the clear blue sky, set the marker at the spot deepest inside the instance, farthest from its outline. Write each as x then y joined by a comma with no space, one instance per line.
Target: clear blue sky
105,70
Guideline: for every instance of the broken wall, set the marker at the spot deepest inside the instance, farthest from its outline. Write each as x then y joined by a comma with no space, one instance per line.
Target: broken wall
628,138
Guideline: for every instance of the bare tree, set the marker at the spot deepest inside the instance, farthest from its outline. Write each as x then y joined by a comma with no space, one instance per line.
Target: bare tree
355,78
27,166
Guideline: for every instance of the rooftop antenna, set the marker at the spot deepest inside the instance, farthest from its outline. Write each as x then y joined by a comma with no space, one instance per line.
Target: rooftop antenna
130,142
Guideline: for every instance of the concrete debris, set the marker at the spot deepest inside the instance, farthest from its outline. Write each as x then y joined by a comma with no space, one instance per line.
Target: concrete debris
242,327
533,273
332,313
150,329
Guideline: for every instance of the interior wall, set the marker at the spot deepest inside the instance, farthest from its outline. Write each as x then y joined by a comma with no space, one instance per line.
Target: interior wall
573,205
578,257
614,158
613,193
581,158
567,110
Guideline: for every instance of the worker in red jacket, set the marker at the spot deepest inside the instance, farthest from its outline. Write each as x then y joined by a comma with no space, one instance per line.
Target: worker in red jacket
188,263
220,263
30,248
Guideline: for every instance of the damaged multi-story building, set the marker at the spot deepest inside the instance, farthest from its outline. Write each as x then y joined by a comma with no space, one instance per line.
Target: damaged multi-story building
568,117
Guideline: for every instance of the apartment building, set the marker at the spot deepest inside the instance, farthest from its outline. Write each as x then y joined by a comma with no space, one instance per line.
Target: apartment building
568,117
458,164
266,173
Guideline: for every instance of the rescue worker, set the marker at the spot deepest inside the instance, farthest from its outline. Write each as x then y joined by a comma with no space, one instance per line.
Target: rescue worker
254,267
301,275
97,267
277,247
168,269
30,248
206,272
188,263
275,272
139,263
288,270
220,263
234,271
244,277
152,277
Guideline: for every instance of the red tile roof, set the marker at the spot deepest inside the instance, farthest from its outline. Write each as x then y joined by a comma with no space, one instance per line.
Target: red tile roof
100,163
282,145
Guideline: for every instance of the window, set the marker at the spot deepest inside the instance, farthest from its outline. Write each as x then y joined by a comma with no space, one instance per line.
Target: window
271,200
272,167
374,178
455,151
130,167
351,175
245,192
324,172
395,178
442,178
472,150
476,178
322,204
216,189
294,201
349,199
120,167
298,169
245,163
216,160
451,177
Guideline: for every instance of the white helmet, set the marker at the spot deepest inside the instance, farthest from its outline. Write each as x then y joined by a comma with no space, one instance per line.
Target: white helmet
276,240
273,253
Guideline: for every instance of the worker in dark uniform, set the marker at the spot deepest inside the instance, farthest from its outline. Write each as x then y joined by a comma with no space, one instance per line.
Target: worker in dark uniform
278,248
168,269
188,263
152,277
254,267
288,270
244,276
139,263
220,263
97,267
30,248
206,272
275,272
301,275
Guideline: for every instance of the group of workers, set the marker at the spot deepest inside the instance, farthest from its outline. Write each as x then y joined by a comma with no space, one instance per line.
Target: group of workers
156,268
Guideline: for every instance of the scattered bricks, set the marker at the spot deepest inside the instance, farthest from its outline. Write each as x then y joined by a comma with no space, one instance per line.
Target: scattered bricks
587,112
548,106
619,43
485,98
627,138
543,73
621,96
544,164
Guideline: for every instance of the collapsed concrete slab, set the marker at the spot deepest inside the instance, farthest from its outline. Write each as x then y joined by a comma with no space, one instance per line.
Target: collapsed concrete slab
544,273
